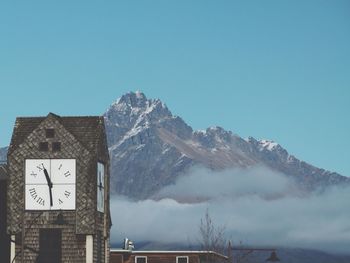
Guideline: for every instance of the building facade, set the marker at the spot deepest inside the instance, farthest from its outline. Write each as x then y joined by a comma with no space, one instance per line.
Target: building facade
58,190
129,256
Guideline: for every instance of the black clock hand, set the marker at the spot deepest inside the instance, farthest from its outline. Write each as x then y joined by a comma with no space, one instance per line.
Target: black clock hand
102,201
49,183
100,179
101,193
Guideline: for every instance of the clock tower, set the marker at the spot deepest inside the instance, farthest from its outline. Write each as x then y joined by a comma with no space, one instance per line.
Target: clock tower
58,190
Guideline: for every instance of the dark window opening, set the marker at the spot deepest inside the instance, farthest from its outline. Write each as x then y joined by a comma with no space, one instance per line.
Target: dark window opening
182,259
141,260
43,146
56,146
50,133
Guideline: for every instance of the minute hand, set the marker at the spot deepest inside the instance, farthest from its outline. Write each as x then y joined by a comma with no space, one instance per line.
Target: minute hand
49,183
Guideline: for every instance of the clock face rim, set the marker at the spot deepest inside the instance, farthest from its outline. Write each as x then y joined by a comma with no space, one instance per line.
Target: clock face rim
74,203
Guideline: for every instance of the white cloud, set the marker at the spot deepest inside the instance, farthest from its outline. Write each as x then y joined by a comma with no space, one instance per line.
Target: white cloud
241,201
202,183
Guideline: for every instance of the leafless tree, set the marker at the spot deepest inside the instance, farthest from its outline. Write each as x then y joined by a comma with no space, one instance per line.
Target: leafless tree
212,238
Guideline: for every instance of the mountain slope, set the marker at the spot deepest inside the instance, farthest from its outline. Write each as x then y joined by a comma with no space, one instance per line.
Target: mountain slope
150,148
141,162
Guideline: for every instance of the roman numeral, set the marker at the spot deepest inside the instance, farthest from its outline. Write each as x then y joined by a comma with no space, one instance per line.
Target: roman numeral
40,201
40,168
60,201
33,193
67,194
59,168
33,174
66,174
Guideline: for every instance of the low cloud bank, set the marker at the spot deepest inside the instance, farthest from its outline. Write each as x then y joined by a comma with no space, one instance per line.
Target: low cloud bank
256,207
202,183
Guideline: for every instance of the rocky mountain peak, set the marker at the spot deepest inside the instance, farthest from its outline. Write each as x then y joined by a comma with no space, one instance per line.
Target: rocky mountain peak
133,112
135,104
268,145
132,99
150,148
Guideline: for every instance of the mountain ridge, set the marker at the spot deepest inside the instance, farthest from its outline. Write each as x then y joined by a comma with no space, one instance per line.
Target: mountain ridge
150,148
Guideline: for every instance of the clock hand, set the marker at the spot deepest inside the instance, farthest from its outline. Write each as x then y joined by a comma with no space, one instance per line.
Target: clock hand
101,195
102,201
49,183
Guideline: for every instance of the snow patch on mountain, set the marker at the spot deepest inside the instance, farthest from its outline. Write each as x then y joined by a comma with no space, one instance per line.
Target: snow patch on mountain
267,144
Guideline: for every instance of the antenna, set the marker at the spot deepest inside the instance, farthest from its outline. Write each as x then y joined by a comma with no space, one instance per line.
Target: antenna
128,244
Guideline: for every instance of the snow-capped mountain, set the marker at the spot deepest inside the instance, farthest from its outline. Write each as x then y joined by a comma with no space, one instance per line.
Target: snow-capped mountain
150,148
142,162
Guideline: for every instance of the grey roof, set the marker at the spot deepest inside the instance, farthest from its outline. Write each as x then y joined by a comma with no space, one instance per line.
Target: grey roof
3,171
86,129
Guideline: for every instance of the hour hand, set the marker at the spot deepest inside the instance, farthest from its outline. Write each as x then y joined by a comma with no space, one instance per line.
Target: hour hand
49,183
47,178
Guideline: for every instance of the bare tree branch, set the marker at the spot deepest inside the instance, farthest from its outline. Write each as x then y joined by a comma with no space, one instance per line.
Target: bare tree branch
212,238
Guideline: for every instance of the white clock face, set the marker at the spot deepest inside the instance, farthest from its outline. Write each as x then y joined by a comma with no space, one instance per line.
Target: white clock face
50,184
100,187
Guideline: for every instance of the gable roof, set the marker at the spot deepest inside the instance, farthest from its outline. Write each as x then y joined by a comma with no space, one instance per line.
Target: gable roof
86,129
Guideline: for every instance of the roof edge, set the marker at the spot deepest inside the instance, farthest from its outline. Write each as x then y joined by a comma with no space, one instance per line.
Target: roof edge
166,251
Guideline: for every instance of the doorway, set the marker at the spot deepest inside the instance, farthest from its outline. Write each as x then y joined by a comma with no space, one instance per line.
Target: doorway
50,250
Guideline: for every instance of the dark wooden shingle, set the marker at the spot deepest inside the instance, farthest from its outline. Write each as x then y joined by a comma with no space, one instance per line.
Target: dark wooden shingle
86,129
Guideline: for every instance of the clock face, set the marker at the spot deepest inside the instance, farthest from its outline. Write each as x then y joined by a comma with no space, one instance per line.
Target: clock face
100,187
50,184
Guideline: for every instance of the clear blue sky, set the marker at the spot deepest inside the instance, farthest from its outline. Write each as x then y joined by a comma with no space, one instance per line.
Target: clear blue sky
268,69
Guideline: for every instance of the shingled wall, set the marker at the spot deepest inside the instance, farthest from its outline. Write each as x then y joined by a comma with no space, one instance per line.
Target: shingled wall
83,139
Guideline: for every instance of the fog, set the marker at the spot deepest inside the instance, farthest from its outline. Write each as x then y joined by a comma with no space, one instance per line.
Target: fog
202,183
257,207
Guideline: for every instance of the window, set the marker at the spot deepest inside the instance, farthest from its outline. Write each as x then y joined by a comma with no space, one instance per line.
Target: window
43,146
183,259
50,133
140,259
56,146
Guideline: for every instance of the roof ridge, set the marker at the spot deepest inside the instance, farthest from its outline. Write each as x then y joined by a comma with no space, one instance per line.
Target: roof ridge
83,128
